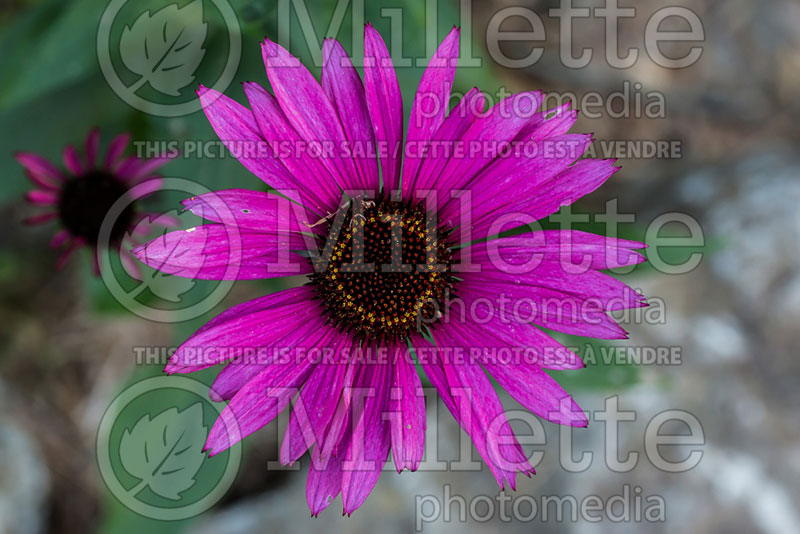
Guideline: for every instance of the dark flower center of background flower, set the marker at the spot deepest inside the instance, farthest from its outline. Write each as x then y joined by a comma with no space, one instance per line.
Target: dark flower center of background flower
85,200
387,272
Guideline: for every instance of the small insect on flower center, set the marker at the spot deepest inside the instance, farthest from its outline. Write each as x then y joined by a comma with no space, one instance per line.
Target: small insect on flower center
86,200
385,269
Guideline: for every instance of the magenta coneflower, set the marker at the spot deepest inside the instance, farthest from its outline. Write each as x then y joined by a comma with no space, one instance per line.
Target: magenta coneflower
81,194
392,279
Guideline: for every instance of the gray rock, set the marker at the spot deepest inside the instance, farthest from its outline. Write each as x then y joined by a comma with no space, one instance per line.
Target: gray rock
24,480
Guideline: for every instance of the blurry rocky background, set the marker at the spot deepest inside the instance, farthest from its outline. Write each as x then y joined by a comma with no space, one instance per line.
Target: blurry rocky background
66,347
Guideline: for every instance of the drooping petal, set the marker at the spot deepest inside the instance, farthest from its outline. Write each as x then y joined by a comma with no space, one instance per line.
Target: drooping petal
146,222
316,404
324,481
522,378
549,303
147,187
512,330
577,251
244,367
476,407
126,167
265,395
370,439
550,278
239,327
570,185
535,203
74,244
407,414
59,238
482,143
147,168
233,122
131,266
385,104
606,291
340,424
549,123
277,299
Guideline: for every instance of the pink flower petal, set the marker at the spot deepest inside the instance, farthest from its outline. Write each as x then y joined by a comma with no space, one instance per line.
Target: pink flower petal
41,170
343,86
509,181
73,245
549,123
255,210
307,108
463,115
314,177
431,104
147,168
115,150
237,129
265,395
92,148
370,439
315,407
239,327
41,218
525,381
407,414
59,238
42,198
472,400
218,252
72,161
385,104
324,481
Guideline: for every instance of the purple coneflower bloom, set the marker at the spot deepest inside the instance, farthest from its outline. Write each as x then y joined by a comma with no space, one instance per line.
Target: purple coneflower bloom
415,269
81,194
